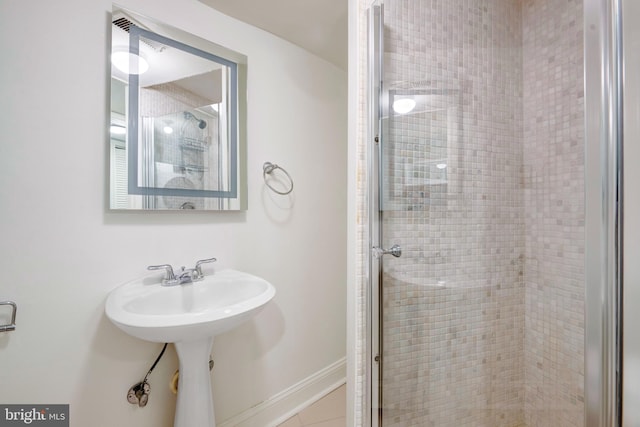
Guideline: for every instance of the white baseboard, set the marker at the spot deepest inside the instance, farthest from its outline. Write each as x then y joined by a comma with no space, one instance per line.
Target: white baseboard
292,400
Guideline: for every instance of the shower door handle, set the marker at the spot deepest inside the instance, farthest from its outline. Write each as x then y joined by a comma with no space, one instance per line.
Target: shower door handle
394,250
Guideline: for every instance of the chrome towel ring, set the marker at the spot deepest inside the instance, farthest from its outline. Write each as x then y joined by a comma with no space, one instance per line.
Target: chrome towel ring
10,326
267,169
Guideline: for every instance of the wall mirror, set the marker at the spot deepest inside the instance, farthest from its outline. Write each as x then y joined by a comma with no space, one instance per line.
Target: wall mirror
178,119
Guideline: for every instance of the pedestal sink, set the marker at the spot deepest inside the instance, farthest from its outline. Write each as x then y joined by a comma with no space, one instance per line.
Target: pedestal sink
189,315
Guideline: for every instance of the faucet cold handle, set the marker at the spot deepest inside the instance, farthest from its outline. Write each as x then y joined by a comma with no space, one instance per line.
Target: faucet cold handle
170,277
199,265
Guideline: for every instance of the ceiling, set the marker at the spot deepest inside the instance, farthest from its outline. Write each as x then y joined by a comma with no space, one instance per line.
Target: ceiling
319,26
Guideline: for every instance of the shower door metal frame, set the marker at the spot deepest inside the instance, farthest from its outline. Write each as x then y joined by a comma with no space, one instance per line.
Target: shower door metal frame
373,395
603,212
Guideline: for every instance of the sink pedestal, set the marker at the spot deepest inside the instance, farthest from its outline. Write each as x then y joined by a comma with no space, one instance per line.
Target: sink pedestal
194,407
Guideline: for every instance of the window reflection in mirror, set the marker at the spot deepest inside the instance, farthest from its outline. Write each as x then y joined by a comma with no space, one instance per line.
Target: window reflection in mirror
177,119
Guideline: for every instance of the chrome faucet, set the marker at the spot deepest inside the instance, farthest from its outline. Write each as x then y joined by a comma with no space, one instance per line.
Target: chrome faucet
199,263
186,275
170,277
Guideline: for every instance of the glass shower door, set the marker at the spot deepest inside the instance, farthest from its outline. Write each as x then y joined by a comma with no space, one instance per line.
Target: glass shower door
478,166
433,304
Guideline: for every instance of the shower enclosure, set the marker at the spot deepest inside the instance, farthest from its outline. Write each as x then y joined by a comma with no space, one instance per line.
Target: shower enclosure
477,215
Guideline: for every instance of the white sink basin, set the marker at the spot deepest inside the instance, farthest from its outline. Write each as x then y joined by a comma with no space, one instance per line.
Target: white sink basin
221,301
189,315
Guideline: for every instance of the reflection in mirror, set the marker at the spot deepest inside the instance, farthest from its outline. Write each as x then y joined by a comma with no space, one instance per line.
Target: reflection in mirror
177,119
421,135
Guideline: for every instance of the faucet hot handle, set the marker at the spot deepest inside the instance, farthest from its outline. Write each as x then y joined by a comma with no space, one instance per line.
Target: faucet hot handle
203,261
170,276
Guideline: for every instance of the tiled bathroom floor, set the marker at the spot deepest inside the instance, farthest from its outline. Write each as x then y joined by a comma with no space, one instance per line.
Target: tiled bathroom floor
330,411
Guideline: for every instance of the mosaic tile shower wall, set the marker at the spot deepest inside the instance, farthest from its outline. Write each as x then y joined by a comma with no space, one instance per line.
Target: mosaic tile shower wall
362,221
483,312
554,208
361,403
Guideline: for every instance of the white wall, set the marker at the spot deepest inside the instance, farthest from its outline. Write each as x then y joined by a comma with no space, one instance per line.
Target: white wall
62,251
631,340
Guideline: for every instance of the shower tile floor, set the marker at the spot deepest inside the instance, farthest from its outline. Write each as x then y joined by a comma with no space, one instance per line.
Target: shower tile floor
330,411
